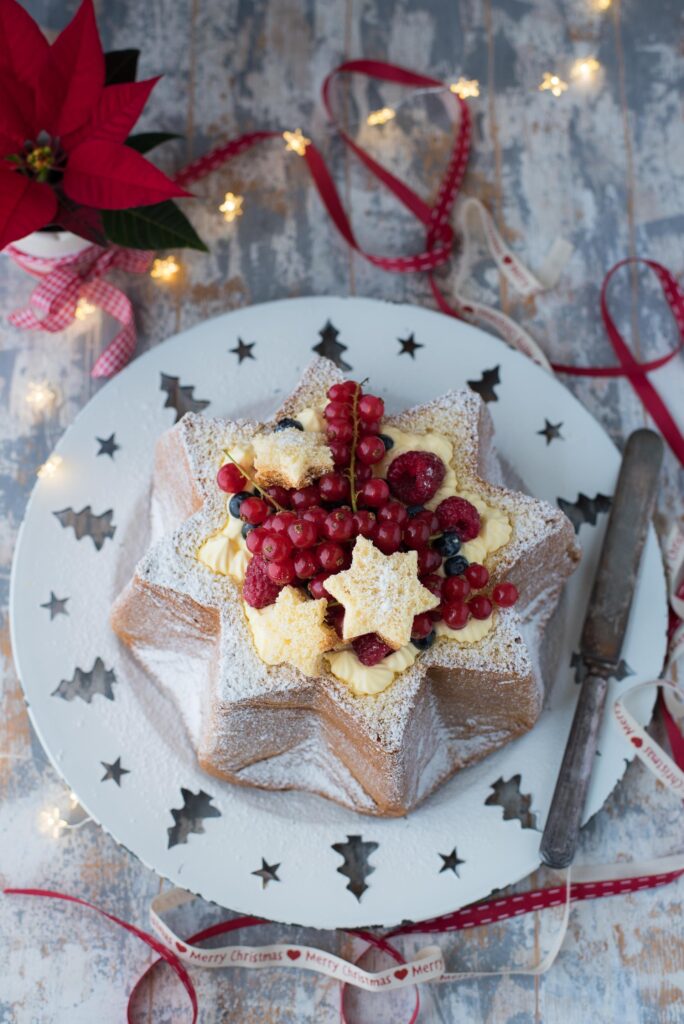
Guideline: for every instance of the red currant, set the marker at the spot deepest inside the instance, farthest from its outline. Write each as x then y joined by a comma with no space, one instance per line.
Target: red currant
340,430
306,564
365,522
337,411
375,493
456,615
422,626
335,618
434,583
281,495
372,426
280,522
428,560
480,607
505,594
477,576
282,573
387,537
341,453
431,519
370,450
275,547
331,556
302,533
317,516
343,391
305,498
394,512
339,525
317,586
371,408
361,474
334,487
230,479
416,534
254,540
254,511
455,589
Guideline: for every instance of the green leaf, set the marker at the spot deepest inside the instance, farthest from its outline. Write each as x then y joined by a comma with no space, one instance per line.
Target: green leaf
160,226
121,66
143,142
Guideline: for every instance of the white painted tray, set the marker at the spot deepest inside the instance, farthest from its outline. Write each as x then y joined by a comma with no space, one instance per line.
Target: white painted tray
118,743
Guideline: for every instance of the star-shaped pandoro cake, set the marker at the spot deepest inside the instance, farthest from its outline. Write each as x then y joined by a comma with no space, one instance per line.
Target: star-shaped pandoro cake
271,696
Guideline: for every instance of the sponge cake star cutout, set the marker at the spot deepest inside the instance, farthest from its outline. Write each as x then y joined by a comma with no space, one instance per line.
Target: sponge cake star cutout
292,630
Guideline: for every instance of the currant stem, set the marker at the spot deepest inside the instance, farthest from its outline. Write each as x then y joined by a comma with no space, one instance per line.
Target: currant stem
262,492
355,438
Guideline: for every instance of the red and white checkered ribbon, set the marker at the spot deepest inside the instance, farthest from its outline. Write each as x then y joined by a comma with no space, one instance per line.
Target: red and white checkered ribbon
66,279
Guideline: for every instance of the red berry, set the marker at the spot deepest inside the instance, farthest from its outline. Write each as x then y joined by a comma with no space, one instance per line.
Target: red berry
505,594
335,618
317,516
305,498
302,533
341,453
365,522
428,560
394,512
456,615
275,547
343,391
283,572
361,474
281,495
317,586
480,607
375,493
477,576
254,511
331,556
415,477
429,517
254,540
387,537
280,522
306,564
334,487
372,426
371,408
460,516
259,589
337,411
422,626
434,583
455,589
370,450
230,479
370,649
340,430
339,524
416,534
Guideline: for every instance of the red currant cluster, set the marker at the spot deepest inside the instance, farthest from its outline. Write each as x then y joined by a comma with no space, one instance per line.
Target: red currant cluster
301,537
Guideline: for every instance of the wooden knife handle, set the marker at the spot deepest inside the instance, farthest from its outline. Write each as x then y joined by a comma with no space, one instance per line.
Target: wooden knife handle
565,815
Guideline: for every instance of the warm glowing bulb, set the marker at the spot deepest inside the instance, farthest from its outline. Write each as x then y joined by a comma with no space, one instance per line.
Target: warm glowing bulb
52,822
553,84
381,116
466,87
73,799
84,309
296,142
601,5
39,395
165,269
50,468
585,68
231,207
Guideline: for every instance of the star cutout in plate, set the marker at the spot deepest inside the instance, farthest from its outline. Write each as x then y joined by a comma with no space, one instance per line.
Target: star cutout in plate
485,386
551,432
451,862
380,594
108,445
243,351
330,347
409,346
56,605
267,873
114,771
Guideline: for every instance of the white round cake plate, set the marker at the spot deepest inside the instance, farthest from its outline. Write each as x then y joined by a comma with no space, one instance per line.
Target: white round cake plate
118,742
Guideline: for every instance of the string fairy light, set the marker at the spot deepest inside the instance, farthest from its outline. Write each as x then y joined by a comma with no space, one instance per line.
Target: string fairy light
585,68
165,269
231,207
39,395
464,88
381,116
84,309
52,822
296,142
600,5
553,84
50,468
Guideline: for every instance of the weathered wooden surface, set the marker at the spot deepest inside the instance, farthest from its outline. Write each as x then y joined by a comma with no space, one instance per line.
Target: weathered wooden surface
603,165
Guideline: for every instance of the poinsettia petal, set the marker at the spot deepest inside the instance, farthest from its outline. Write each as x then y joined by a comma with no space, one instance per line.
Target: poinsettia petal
111,176
16,111
25,206
72,76
118,109
24,47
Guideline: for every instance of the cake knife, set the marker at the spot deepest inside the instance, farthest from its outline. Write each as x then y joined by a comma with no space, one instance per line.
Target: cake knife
604,630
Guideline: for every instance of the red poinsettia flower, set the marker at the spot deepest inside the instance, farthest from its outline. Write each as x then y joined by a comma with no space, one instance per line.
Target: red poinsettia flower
62,131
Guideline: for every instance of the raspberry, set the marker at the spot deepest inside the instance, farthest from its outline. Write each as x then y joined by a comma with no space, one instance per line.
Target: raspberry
415,477
259,589
370,649
459,515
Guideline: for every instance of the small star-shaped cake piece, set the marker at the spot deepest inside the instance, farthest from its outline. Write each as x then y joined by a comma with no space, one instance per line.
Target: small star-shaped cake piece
291,457
293,630
380,594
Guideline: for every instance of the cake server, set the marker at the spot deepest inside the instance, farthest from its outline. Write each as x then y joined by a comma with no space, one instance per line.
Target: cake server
604,630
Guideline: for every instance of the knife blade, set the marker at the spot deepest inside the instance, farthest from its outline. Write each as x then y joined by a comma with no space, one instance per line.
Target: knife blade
602,637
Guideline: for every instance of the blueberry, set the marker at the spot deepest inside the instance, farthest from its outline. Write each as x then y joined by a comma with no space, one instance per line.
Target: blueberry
387,441
236,502
456,565
413,510
427,641
288,422
247,528
448,544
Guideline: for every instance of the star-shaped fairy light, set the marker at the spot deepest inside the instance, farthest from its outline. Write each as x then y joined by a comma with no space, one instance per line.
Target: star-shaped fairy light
381,116
296,142
165,269
381,594
84,309
293,630
585,68
553,84
466,87
231,207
